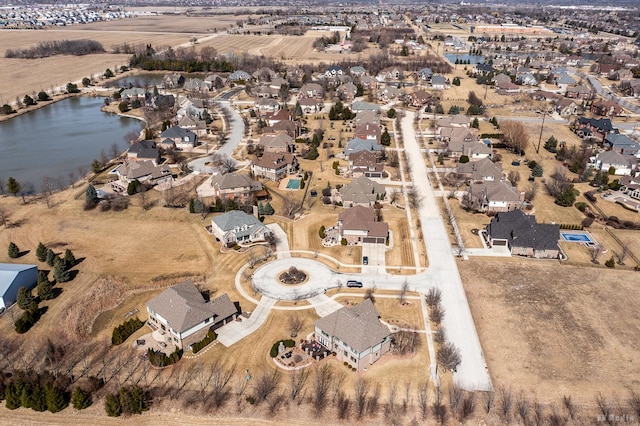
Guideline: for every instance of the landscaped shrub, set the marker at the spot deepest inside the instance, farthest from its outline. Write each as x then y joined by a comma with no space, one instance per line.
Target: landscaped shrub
160,359
343,242
464,159
198,346
126,329
321,231
41,252
13,251
288,343
581,206
611,263
81,399
587,222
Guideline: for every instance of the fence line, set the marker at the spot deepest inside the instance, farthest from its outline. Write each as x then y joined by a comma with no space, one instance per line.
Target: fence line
629,252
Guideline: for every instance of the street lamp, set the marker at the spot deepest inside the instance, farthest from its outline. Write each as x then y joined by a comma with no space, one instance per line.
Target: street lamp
544,114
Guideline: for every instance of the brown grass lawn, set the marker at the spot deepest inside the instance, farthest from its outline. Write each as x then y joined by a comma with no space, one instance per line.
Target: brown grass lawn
552,330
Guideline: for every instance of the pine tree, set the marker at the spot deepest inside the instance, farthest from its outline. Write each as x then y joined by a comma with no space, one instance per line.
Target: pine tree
56,398
60,273
81,399
25,397
69,258
91,196
13,251
268,210
13,187
45,290
12,396
38,399
41,252
24,298
112,405
51,257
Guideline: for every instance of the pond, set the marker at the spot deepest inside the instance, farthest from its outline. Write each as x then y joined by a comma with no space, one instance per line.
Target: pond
464,57
56,140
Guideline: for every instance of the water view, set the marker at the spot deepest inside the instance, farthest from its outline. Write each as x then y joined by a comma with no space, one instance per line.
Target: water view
56,140
473,59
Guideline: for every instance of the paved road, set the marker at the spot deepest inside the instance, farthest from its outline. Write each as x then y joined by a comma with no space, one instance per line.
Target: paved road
460,328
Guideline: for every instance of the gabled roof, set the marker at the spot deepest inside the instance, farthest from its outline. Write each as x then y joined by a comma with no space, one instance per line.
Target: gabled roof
362,106
235,218
233,181
481,169
278,140
358,326
565,78
521,230
617,140
178,132
9,272
139,169
144,149
616,158
273,160
363,219
357,145
184,307
362,190
602,124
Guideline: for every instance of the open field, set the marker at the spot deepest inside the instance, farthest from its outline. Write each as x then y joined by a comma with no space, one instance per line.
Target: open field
552,330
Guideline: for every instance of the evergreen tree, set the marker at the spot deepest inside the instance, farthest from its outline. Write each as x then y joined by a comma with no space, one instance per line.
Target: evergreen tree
192,205
69,258
12,396
298,110
24,298
25,397
91,196
385,139
112,406
38,399
268,210
41,252
13,251
45,290
81,399
51,257
60,273
56,398
13,187
475,123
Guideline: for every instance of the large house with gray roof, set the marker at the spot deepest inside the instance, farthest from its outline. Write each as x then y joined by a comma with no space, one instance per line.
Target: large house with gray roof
355,334
182,138
183,316
523,236
237,227
362,191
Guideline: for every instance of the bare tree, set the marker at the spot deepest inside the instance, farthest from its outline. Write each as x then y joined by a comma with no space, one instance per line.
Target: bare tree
372,403
423,399
595,252
624,252
265,385
115,150
390,406
131,137
468,406
296,323
513,177
634,402
569,406
361,388
506,402
220,382
4,217
2,186
82,171
343,406
515,136
291,207
605,407
538,413
436,314
438,409
433,297
522,406
403,291
415,199
530,191
297,381
72,179
405,342
456,395
323,381
489,399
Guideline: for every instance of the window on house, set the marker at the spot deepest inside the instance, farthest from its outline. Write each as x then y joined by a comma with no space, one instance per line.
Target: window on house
345,353
207,320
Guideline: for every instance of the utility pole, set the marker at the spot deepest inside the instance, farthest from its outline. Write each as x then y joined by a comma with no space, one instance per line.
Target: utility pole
544,114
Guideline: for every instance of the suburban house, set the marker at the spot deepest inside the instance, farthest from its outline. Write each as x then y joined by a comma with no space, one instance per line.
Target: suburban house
278,116
630,186
144,172
419,98
480,170
439,82
368,131
493,196
606,108
362,191
389,93
135,93
190,107
567,107
276,142
196,85
358,225
622,144
274,166
593,127
311,90
267,105
237,227
12,277
579,92
240,77
193,124
425,74
359,106
357,71
357,145
367,117
523,236
182,138
172,81
310,105
183,316
623,165
365,163
144,151
355,334
231,186
347,91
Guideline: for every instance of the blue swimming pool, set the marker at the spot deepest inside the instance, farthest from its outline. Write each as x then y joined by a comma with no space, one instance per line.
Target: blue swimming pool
577,237
293,184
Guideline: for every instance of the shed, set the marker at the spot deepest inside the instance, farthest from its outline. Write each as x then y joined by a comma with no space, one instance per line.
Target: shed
12,277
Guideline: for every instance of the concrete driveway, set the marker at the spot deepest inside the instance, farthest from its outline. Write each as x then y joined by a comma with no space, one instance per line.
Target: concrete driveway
377,258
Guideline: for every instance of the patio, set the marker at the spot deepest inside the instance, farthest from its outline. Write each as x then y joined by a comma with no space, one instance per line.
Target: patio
155,340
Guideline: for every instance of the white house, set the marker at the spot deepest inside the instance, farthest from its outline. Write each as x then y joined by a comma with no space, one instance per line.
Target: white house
236,227
623,164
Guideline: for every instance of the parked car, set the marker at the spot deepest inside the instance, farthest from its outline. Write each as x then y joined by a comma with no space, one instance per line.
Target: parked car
354,283
365,260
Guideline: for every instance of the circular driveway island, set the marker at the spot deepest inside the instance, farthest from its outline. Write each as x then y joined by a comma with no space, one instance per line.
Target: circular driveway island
319,278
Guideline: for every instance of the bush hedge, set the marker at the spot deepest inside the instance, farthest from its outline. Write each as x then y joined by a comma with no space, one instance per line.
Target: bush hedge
198,346
160,359
288,343
126,329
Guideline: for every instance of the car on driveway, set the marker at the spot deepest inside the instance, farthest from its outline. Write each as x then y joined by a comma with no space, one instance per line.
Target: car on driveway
365,260
354,283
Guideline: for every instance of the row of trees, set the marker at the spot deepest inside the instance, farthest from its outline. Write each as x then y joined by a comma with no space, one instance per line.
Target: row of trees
57,47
